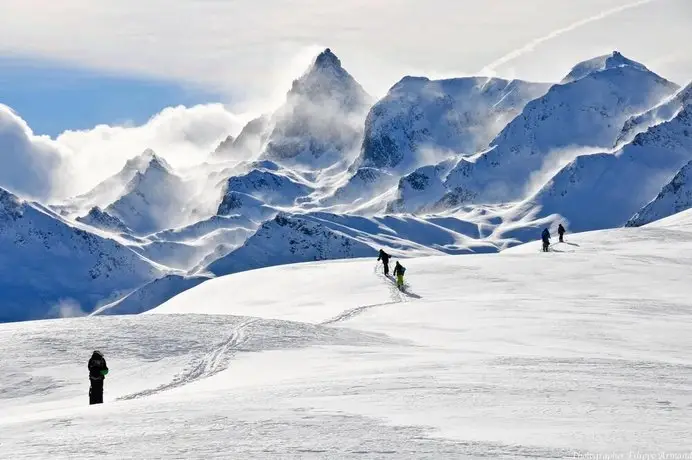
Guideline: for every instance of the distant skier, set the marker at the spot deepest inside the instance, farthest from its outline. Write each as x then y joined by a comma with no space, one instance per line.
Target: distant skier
561,232
545,236
97,373
384,257
399,273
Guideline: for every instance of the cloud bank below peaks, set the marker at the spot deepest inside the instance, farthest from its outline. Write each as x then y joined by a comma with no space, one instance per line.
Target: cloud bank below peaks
184,136
42,168
30,164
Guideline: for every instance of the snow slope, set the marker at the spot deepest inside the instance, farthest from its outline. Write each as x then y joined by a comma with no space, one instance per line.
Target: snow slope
662,112
675,196
50,268
150,295
292,238
605,190
578,352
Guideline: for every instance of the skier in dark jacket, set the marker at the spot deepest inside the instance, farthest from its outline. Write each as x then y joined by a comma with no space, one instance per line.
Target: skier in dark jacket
384,257
399,273
561,232
97,373
545,236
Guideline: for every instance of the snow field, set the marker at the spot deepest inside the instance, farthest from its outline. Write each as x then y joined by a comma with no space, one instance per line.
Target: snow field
516,355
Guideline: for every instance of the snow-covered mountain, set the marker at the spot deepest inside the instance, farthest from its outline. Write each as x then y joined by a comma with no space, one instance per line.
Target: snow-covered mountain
98,218
292,238
110,189
421,121
436,167
604,190
186,247
585,113
46,263
269,187
289,239
420,191
152,199
675,196
321,122
144,197
236,203
247,144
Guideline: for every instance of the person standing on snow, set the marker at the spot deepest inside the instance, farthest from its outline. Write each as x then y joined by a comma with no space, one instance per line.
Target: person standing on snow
561,232
97,373
399,273
384,257
545,236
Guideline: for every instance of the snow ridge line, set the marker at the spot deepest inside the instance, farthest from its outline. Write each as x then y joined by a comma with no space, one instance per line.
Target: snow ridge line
212,363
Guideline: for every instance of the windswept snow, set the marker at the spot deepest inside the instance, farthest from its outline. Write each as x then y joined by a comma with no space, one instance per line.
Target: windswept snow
604,190
321,123
586,113
581,351
421,121
675,196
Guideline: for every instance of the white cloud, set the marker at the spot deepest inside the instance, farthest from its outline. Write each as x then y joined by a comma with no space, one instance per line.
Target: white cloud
182,135
249,48
28,163
48,169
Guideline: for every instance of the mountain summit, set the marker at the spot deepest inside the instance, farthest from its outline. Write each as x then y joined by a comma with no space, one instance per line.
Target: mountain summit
327,80
600,63
321,122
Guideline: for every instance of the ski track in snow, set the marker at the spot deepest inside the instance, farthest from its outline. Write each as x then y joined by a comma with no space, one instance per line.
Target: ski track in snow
348,314
397,295
212,363
516,355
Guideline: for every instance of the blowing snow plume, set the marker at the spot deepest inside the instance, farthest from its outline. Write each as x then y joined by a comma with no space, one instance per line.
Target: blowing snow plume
320,124
66,308
553,162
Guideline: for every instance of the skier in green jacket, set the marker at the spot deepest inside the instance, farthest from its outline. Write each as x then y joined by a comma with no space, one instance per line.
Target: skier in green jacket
399,273
97,373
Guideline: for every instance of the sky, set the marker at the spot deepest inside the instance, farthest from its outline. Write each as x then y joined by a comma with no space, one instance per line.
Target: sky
54,96
75,64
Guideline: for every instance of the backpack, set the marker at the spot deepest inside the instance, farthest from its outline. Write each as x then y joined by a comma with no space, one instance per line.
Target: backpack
403,269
